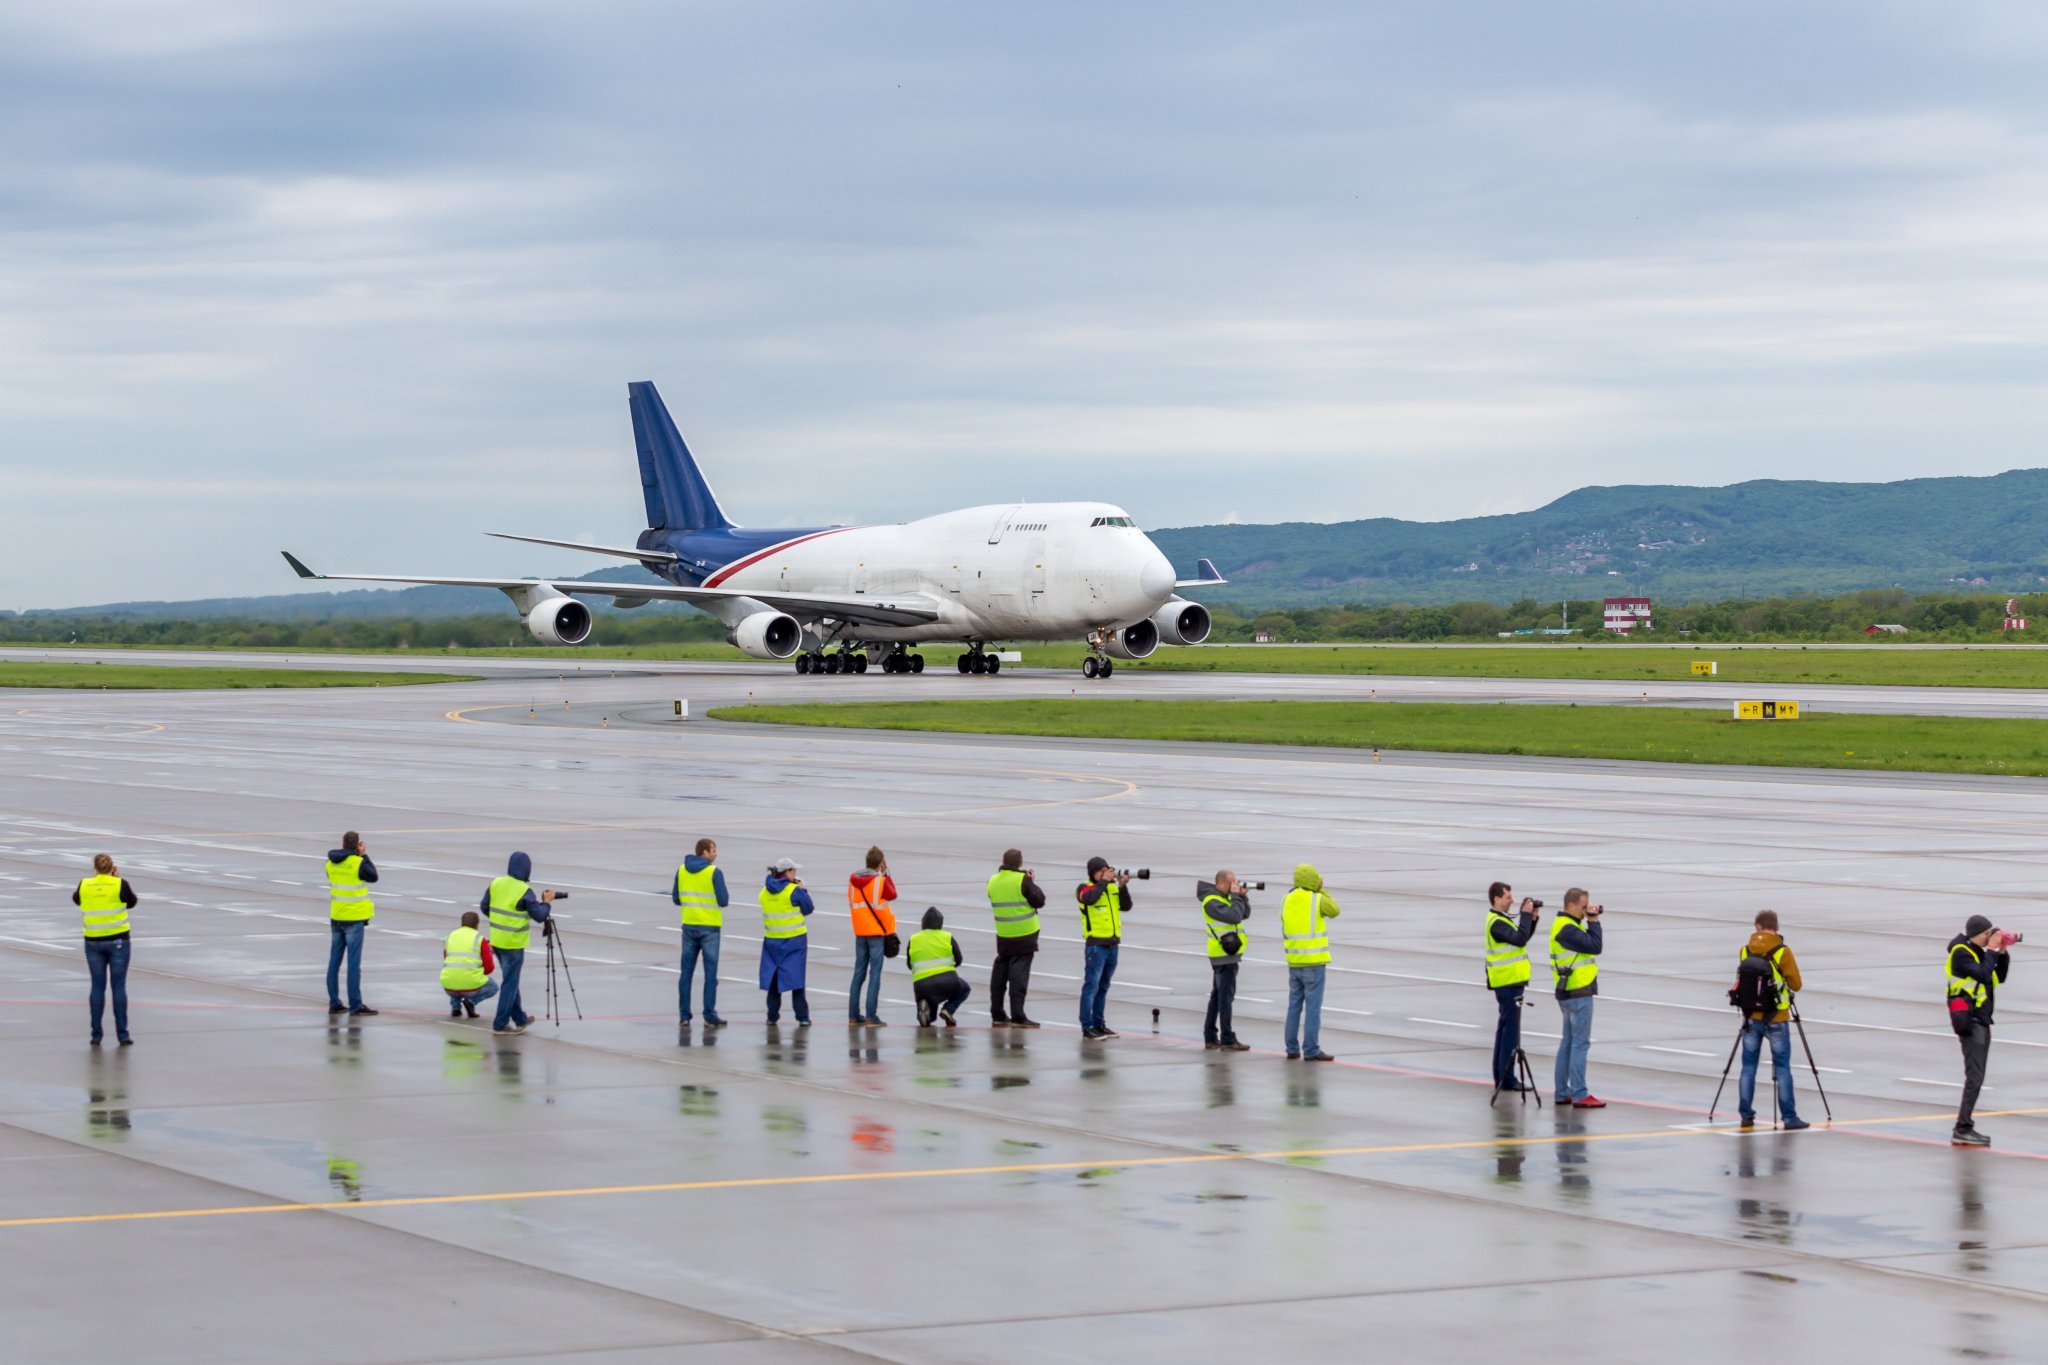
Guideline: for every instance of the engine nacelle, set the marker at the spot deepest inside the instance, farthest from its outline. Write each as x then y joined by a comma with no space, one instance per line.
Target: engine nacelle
1133,641
559,621
767,635
1181,622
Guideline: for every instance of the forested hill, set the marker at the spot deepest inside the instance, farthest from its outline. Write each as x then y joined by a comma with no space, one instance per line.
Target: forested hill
1764,538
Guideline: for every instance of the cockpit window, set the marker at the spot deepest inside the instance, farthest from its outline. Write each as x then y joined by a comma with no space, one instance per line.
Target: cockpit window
1113,521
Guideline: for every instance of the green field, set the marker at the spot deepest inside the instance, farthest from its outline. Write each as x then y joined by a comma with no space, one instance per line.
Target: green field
147,677
2016,748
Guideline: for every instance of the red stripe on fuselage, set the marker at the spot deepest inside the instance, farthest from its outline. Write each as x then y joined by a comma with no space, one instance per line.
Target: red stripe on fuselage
729,570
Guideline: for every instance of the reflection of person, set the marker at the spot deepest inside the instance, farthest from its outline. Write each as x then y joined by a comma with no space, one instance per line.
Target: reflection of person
1015,899
1507,975
1226,912
104,900
1103,899
1978,961
699,889
466,966
785,942
349,872
868,893
1771,1024
513,908
1575,944
935,958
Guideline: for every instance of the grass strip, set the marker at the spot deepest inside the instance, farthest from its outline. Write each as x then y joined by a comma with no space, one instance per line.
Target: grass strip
150,677
1945,744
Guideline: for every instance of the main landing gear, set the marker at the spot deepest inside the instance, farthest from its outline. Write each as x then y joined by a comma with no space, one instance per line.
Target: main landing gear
901,660
853,659
979,660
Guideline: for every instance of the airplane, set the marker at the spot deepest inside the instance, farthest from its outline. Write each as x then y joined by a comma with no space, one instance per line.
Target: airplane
829,596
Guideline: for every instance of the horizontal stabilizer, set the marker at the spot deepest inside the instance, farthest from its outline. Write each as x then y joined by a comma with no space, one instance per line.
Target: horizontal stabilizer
1209,577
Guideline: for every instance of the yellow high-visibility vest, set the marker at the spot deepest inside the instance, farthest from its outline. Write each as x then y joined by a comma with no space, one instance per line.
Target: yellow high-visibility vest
99,900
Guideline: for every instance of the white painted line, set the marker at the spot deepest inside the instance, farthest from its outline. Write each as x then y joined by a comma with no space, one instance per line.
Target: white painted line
438,900
279,881
657,967
1258,1000
1681,1051
1332,1009
1836,1070
627,923
601,961
1445,1023
1948,1085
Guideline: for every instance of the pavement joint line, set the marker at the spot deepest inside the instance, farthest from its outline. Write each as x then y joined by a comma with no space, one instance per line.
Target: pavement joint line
935,1173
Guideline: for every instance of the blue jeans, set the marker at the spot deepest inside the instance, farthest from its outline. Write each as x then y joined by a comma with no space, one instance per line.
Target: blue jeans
1754,1032
1100,968
867,967
511,962
475,997
345,936
699,940
1572,1047
108,957
1507,1034
1305,1010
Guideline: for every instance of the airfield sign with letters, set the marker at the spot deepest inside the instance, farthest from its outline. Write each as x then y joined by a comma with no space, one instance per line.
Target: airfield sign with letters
1767,710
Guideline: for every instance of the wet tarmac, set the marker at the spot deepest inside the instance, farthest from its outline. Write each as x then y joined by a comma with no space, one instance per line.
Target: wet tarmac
251,1182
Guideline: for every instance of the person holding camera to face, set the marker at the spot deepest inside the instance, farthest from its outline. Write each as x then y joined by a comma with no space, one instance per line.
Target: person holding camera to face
1103,899
1978,960
1575,944
1225,912
1508,932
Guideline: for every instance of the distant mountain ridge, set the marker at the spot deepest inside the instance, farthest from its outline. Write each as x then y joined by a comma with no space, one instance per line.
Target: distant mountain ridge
1767,537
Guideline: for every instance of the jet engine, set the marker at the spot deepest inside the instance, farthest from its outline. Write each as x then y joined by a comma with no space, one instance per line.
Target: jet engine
559,621
1181,622
1133,641
767,635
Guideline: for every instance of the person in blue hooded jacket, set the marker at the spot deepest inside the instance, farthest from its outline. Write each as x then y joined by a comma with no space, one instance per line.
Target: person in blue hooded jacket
513,906
785,941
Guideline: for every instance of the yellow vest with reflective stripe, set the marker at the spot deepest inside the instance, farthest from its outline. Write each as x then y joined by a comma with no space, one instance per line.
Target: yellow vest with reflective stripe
1570,971
780,917
1105,918
930,953
462,961
1968,987
347,897
510,925
1217,928
1014,915
1506,963
99,900
698,892
1304,935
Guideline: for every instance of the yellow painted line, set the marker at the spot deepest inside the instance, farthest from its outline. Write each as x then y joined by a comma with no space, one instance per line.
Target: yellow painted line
952,1172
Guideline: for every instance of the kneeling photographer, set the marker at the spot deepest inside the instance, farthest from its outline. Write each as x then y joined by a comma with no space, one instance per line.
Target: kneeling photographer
1226,911
1978,960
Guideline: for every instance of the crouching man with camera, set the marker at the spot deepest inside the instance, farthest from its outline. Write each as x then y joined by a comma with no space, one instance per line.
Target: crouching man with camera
1978,961
1225,912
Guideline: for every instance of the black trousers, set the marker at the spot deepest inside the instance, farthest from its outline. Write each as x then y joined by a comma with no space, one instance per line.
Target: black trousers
1009,978
1976,1052
1222,994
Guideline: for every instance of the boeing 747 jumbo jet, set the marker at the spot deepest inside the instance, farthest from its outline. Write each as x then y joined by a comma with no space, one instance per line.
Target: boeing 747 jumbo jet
831,597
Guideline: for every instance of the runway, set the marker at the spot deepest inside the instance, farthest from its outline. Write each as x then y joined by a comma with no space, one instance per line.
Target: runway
249,1181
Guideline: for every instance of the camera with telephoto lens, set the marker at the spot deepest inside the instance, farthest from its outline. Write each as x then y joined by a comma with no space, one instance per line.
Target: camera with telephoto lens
1253,886
2008,937
1143,874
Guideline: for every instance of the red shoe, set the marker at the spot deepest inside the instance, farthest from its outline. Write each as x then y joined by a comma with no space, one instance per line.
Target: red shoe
1589,1103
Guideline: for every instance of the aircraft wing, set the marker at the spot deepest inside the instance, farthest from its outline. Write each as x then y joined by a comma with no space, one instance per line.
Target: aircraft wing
1209,577
906,609
644,556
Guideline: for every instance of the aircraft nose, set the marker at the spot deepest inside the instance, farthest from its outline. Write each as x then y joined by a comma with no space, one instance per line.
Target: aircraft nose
1157,578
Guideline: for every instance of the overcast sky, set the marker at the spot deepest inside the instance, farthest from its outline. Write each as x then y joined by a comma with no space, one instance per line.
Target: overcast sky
366,280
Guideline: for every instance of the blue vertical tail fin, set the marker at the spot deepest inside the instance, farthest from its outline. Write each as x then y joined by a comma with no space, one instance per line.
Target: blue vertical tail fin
678,498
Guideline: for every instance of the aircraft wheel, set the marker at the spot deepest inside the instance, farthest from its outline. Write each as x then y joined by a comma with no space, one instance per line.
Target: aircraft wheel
917,663
1089,667
995,665
964,662
892,663
1108,667
860,663
831,663
803,663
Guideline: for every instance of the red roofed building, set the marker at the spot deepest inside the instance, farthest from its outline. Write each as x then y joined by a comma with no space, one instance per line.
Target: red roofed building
1625,615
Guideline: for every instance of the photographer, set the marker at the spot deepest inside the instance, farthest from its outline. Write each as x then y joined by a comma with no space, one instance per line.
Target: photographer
1103,899
1770,1021
1575,944
513,909
1507,975
1978,961
1014,899
1225,912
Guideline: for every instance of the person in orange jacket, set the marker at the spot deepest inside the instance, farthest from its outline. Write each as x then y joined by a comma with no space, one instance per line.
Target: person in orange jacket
868,893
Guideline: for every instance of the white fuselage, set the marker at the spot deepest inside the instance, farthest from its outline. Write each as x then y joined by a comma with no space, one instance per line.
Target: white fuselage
1019,571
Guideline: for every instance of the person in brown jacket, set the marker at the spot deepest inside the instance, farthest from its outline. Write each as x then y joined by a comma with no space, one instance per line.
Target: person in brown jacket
1766,943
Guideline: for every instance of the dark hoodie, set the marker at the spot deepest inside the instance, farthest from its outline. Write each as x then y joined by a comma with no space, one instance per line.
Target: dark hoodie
335,855
942,983
520,866
1763,943
1985,965
697,864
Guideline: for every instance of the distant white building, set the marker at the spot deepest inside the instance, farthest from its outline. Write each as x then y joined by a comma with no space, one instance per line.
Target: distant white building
1626,615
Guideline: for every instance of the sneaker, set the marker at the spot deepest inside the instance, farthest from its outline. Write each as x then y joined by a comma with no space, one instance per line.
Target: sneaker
337,1009
1234,1046
1023,1023
856,1023
1294,1056
127,1042
1794,1125
359,1011
1091,1034
1968,1137
947,1015
469,1009
876,1023
682,1021
924,1014
998,1023
1320,1057
455,1011
1212,1047
1748,1122
1106,1032
803,1023
1589,1103
510,1029
713,1021
1511,1088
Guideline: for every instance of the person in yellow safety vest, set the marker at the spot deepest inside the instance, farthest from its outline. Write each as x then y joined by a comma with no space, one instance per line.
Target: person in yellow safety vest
1015,899
1103,898
935,980
1305,940
698,890
513,908
1506,940
785,942
1226,921
1978,960
104,900
1575,946
1769,1025
349,875
466,967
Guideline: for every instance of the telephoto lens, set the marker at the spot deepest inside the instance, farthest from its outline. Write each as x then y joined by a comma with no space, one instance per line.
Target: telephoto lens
1256,886
1143,874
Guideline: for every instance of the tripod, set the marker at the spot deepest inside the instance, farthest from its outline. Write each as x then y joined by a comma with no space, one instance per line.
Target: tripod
553,1008
1520,1069
1792,1006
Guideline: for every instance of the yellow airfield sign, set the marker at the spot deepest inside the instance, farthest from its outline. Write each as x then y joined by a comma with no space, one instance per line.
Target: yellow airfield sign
1766,710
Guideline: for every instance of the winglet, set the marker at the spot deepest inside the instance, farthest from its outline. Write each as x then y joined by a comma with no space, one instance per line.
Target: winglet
1209,578
298,566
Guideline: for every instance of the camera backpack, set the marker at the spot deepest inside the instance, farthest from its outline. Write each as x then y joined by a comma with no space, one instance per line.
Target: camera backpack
1756,990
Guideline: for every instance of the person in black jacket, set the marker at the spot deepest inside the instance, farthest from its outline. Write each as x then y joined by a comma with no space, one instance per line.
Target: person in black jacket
1978,961
1507,975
